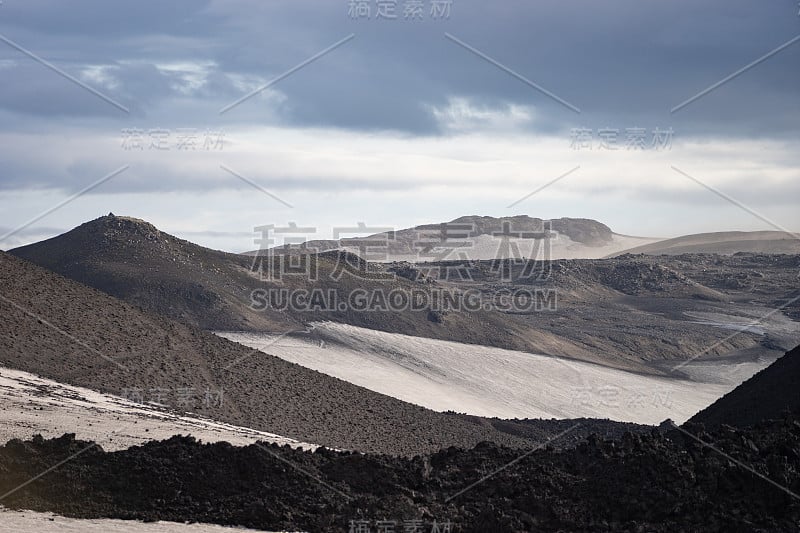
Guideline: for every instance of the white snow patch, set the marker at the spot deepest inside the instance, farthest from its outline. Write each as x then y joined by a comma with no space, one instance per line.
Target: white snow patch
33,522
32,404
488,381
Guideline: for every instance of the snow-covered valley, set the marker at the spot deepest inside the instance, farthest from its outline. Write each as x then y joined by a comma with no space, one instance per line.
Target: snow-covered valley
494,382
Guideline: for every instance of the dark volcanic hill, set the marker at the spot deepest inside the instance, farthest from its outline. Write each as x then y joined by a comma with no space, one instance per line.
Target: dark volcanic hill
768,394
131,259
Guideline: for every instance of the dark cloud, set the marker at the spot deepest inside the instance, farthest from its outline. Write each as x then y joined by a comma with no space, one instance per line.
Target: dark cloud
622,62
103,21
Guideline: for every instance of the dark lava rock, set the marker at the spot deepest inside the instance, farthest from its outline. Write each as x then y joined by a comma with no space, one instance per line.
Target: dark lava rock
687,479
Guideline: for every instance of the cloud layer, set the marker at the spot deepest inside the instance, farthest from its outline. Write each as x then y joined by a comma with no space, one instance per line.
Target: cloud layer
401,112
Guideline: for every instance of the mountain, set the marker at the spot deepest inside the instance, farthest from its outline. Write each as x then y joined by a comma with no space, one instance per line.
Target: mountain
73,334
486,238
766,395
132,260
723,243
631,312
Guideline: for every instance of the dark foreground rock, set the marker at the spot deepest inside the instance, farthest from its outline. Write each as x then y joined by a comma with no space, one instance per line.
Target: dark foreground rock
662,481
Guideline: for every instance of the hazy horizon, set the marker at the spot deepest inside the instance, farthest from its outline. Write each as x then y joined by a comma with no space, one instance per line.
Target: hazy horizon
207,238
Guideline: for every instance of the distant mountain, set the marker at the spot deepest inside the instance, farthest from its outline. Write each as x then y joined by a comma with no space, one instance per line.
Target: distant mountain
765,395
626,313
485,238
723,243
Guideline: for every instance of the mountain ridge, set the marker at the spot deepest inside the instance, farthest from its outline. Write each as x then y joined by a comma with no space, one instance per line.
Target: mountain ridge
591,319
723,243
481,237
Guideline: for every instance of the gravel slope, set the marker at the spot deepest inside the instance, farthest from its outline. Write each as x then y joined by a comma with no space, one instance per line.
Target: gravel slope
768,394
68,332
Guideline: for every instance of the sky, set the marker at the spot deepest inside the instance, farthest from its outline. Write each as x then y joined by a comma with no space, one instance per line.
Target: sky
212,118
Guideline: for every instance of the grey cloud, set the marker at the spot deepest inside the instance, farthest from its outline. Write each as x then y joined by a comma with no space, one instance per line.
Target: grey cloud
623,62
181,174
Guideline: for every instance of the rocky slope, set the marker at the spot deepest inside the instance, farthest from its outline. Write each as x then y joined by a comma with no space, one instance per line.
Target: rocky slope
768,394
65,331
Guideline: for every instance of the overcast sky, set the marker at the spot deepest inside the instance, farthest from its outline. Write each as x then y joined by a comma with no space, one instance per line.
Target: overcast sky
465,107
